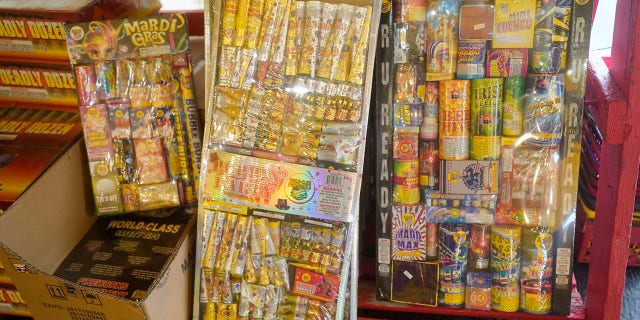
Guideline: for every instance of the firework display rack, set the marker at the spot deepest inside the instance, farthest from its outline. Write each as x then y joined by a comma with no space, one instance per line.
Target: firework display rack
490,228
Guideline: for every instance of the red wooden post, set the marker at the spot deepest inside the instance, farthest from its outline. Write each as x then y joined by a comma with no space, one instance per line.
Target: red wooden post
618,96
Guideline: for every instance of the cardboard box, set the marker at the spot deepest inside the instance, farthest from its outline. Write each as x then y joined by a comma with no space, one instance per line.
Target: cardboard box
31,138
47,222
28,84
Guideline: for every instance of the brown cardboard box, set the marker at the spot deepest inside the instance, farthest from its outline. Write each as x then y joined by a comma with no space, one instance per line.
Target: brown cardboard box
40,229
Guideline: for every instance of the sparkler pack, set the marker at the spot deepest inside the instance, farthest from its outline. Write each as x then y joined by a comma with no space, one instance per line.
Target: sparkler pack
283,156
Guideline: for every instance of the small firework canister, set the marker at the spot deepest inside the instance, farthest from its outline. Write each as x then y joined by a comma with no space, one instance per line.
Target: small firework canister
486,118
536,270
405,144
472,55
409,236
405,182
512,108
429,127
454,119
453,245
479,247
429,167
478,291
505,266
543,102
86,83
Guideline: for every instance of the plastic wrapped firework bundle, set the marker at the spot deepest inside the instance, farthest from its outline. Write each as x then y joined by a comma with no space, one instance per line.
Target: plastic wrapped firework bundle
453,247
536,270
505,267
138,112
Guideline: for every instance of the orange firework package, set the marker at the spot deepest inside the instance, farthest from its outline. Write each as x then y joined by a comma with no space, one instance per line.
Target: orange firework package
34,30
283,156
138,111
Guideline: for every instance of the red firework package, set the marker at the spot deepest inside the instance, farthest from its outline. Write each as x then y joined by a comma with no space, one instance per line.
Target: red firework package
139,116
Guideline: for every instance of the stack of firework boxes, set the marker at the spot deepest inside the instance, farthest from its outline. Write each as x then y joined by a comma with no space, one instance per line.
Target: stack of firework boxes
38,111
129,87
478,109
283,157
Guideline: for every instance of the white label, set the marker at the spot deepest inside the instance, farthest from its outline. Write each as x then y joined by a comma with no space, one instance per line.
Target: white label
479,26
384,250
563,263
408,274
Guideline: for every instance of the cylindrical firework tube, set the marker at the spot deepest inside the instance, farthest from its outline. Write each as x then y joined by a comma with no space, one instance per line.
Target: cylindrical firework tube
294,37
254,22
229,21
432,241
505,266
454,119
429,127
351,44
429,163
309,50
241,22
453,246
543,103
479,247
86,83
359,59
536,270
486,118
330,57
405,182
512,107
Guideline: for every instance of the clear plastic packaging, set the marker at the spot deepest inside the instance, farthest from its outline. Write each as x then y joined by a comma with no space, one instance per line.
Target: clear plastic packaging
138,111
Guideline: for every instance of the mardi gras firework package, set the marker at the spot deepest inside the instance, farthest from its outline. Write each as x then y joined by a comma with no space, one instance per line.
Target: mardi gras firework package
138,111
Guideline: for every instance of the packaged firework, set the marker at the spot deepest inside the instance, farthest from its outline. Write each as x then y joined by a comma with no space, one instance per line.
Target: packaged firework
505,267
486,119
459,208
284,144
453,247
138,110
409,233
536,270
442,39
528,185
514,24
271,264
487,107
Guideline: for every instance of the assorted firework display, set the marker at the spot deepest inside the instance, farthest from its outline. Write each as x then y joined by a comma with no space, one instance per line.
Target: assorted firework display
476,133
138,111
283,156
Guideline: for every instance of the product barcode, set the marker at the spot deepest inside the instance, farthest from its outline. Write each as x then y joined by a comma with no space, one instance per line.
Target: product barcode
562,280
516,67
333,179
